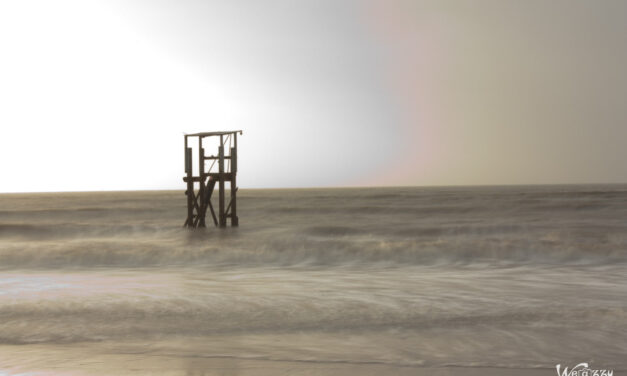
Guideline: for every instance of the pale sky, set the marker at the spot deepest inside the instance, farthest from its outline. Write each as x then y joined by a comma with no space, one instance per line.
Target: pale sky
96,95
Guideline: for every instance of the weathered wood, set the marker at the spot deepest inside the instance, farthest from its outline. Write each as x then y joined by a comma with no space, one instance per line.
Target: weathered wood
213,214
208,134
190,188
198,202
233,203
201,190
221,213
218,157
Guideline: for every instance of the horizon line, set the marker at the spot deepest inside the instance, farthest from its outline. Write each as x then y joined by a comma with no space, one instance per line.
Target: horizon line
334,187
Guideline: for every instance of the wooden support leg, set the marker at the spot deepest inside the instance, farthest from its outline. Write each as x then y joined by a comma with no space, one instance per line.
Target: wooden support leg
221,208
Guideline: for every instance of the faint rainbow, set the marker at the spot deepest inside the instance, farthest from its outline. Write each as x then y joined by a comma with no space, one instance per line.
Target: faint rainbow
411,48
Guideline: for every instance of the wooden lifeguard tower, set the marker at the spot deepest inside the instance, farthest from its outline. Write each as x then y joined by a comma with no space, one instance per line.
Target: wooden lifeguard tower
199,199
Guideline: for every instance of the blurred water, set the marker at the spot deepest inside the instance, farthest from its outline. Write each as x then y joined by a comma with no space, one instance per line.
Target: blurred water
515,277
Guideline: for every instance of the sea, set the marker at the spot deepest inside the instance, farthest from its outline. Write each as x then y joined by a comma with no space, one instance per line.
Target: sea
408,280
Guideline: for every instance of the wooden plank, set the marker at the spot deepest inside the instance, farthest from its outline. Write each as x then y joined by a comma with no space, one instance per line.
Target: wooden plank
234,217
213,214
208,134
221,179
217,157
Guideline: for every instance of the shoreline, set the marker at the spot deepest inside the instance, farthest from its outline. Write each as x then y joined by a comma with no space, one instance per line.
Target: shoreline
63,360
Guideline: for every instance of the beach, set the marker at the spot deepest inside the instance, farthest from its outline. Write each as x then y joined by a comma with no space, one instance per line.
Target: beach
364,281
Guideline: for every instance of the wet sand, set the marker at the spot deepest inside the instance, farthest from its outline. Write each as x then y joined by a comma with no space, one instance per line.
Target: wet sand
72,360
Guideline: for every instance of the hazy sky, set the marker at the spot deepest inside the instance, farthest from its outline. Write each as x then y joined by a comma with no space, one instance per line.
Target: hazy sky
96,95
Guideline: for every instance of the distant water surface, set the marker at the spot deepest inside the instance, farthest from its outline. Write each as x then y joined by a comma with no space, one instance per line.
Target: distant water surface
409,278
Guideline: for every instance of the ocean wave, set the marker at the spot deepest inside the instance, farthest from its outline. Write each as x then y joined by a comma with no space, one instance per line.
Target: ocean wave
321,227
35,232
317,247
143,315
